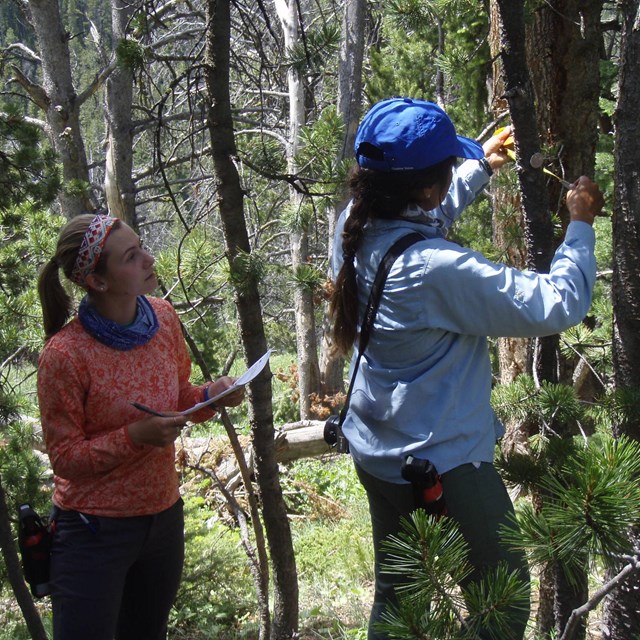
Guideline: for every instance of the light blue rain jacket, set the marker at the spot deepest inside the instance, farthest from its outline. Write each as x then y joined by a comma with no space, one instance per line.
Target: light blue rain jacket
424,382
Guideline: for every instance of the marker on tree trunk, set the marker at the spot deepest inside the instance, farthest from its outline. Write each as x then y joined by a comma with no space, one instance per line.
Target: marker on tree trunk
536,161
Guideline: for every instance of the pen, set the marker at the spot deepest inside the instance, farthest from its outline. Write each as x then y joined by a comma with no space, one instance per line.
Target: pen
153,412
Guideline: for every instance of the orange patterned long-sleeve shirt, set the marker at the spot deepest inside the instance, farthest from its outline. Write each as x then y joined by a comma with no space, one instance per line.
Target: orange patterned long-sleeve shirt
85,391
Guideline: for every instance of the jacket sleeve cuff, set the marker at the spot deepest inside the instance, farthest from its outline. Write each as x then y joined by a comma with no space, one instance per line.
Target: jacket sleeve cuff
581,231
472,172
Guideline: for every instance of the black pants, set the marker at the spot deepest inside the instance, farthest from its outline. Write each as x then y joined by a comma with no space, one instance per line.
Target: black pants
115,577
476,499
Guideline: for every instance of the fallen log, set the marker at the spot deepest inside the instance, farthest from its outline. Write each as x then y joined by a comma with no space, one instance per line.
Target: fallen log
293,441
304,439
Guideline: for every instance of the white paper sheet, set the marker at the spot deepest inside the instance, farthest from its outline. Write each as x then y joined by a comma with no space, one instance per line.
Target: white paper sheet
243,380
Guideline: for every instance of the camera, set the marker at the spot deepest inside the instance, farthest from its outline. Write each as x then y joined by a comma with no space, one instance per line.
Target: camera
334,436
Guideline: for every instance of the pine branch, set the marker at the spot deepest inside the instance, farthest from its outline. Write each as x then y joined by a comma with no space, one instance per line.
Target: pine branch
490,128
36,122
12,357
35,91
586,362
26,53
189,305
97,82
598,596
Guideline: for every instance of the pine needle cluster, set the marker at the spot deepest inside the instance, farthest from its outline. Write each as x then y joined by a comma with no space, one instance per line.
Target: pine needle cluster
590,503
431,555
585,498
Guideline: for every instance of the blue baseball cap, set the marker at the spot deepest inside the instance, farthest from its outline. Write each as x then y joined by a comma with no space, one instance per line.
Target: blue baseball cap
401,134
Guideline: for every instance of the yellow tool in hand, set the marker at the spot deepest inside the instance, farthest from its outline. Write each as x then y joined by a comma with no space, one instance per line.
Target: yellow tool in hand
535,162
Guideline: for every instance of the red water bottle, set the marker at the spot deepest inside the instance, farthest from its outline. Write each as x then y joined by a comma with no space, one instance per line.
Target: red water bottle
427,486
34,540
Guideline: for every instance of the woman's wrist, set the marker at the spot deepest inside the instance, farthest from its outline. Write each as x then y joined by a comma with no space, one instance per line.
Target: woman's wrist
206,395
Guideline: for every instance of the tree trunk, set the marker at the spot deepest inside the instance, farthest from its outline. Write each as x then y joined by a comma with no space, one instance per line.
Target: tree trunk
230,203
564,42
14,573
520,98
119,186
570,596
626,214
513,353
622,613
306,341
519,93
350,71
349,97
58,98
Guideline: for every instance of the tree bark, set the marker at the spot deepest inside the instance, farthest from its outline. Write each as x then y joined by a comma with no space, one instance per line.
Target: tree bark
60,102
230,202
519,93
119,185
622,614
570,595
306,341
350,71
520,98
563,43
349,98
513,353
626,214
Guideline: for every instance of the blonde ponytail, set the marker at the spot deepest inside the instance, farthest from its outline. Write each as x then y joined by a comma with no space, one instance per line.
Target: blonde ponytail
55,301
57,304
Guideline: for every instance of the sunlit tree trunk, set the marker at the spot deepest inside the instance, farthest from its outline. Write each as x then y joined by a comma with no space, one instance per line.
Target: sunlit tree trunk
61,104
520,98
230,202
563,42
626,215
119,186
306,340
349,108
519,93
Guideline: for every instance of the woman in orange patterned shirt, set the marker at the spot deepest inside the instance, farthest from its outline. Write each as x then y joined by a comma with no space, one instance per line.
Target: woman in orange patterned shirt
118,546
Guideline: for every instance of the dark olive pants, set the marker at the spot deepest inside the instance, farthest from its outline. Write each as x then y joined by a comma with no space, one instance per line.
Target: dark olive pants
479,503
115,577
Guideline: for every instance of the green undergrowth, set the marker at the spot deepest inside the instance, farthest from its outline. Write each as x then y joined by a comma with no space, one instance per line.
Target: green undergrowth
334,558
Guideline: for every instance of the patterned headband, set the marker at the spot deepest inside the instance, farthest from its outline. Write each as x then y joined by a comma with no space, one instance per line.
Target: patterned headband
92,244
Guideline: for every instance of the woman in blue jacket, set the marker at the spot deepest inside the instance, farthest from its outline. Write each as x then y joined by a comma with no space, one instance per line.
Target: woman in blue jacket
424,381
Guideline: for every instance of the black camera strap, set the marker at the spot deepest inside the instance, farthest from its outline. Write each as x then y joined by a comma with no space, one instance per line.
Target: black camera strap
395,251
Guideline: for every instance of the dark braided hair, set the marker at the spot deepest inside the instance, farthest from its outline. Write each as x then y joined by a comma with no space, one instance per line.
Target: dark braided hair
375,194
